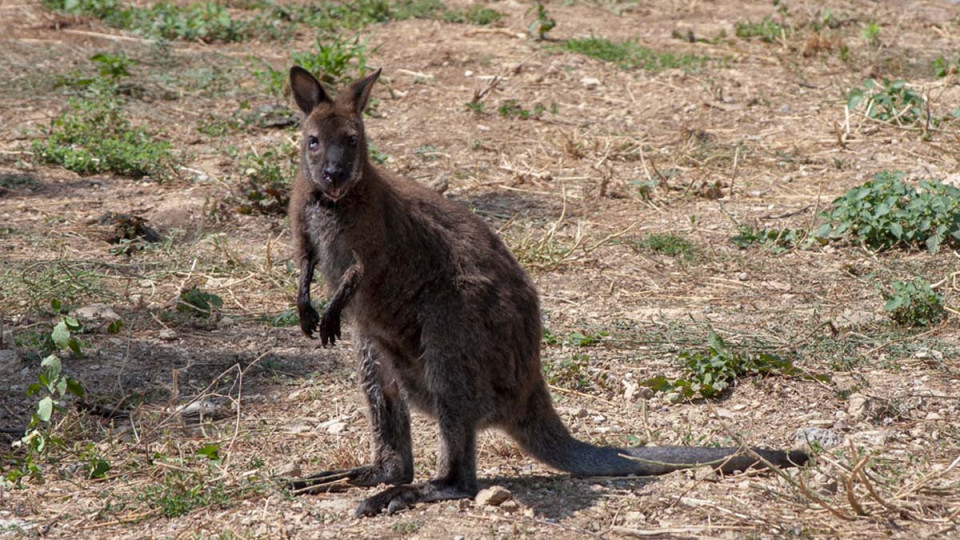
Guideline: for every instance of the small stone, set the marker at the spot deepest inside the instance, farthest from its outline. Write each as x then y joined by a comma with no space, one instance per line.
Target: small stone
933,416
672,397
96,312
509,506
493,496
440,184
464,504
858,407
580,413
590,82
824,437
706,474
290,470
167,334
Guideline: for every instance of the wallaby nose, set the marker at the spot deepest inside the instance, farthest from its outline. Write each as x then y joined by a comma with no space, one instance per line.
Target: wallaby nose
332,171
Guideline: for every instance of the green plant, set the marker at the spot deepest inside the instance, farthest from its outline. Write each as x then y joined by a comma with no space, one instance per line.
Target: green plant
476,14
914,303
511,108
630,55
711,371
943,67
778,240
199,303
891,101
266,189
53,386
573,373
184,492
113,66
542,23
407,527
887,212
668,244
335,61
871,34
95,136
768,30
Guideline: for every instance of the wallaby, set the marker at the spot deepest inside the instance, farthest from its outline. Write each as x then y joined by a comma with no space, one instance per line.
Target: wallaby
443,315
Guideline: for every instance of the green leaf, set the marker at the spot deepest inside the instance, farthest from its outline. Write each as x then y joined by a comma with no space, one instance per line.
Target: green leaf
51,368
115,326
211,451
61,336
45,409
74,387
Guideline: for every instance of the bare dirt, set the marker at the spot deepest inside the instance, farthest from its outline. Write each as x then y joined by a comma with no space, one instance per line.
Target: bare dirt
756,136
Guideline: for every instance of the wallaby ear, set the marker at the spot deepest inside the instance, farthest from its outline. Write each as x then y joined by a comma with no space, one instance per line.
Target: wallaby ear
359,92
307,90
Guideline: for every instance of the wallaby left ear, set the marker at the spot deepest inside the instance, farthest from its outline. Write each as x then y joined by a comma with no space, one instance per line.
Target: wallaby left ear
359,92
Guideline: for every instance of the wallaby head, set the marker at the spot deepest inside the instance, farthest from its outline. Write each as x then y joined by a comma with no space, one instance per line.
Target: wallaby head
333,148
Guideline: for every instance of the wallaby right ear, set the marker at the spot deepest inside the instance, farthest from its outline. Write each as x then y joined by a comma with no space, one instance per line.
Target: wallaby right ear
307,90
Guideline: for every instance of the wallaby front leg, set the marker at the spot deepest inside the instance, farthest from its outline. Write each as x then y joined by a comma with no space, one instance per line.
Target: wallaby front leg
309,318
330,321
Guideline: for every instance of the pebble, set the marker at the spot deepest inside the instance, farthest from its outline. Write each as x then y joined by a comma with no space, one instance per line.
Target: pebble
493,496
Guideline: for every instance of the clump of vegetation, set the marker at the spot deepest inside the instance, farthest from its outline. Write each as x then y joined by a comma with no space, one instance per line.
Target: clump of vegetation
476,14
943,67
777,240
542,22
203,21
914,303
669,244
574,339
94,136
266,186
630,55
767,30
890,101
511,108
54,386
871,34
711,371
199,303
335,61
184,493
574,373
887,212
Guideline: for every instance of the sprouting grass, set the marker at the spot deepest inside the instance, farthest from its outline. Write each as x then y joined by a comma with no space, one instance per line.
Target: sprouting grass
668,244
767,30
630,55
335,61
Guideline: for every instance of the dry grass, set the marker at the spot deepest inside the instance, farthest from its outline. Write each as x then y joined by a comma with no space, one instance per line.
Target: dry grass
758,135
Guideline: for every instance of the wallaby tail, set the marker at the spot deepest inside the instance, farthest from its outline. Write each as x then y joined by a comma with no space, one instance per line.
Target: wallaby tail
541,433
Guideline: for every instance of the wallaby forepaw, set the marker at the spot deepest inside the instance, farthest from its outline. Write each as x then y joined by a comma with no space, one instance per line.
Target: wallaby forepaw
329,328
309,319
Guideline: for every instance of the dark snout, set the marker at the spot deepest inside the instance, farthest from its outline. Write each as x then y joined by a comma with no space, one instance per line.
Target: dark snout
336,168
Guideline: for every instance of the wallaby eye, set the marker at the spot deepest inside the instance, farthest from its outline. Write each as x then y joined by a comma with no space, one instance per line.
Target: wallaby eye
313,142
353,140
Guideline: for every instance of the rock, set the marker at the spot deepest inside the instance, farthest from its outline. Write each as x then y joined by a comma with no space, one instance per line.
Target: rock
95,313
509,506
289,470
440,184
858,407
493,496
672,397
934,416
706,474
824,437
167,334
9,361
590,83
873,437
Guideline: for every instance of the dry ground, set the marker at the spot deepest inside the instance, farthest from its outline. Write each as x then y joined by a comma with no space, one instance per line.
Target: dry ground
574,192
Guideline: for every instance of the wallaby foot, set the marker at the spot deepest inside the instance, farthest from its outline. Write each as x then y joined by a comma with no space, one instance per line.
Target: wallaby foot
402,497
363,476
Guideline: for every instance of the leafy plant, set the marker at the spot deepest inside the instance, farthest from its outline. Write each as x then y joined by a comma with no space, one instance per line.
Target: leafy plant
943,67
542,23
94,136
871,34
629,55
113,66
668,244
914,303
573,374
768,30
266,189
887,212
476,14
711,371
891,101
778,240
511,108
53,386
335,61
199,303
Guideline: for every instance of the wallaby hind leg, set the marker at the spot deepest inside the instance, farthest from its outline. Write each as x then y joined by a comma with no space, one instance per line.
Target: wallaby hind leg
456,469
391,447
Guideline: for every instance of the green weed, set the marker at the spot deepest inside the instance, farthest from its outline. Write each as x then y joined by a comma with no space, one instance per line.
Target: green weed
542,22
574,374
511,108
914,303
767,30
335,61
711,371
943,67
887,212
94,136
891,101
477,15
266,189
198,303
871,34
629,55
777,240
670,245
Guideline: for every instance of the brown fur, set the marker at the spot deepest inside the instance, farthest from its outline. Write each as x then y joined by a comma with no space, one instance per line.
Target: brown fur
444,318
